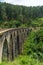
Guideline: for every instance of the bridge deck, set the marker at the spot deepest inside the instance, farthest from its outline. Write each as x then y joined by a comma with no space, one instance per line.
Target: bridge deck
5,30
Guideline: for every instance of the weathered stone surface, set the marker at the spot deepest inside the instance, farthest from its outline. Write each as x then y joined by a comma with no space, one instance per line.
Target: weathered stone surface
15,38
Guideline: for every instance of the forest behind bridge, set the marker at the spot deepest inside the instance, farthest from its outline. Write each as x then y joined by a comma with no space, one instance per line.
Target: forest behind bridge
20,16
12,16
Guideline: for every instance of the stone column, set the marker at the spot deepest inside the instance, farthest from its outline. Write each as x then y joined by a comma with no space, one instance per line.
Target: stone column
21,40
16,47
1,49
22,35
14,42
9,46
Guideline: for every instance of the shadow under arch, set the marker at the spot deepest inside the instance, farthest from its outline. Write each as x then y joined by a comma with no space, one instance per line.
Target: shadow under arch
11,47
17,44
5,53
17,50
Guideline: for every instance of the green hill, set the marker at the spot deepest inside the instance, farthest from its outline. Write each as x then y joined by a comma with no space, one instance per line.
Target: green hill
20,16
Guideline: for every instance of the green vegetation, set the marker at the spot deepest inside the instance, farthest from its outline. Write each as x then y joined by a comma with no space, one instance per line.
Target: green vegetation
34,45
22,13
20,16
12,16
10,24
24,60
15,23
38,22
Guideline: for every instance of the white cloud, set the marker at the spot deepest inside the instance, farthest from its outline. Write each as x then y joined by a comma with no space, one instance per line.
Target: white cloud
26,2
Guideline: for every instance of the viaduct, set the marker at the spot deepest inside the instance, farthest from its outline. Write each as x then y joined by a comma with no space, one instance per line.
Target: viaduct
11,42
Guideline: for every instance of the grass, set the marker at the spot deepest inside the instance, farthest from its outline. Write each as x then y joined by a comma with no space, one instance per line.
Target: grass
24,60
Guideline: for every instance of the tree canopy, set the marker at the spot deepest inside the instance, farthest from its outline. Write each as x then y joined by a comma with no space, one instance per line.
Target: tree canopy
22,13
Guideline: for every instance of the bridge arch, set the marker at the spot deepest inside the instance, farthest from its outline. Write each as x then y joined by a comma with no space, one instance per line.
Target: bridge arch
14,42
5,51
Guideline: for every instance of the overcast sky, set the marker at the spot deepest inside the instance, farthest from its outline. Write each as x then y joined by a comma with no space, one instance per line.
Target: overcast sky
25,2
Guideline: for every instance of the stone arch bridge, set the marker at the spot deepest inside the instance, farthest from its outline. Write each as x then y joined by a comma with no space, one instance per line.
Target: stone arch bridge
11,42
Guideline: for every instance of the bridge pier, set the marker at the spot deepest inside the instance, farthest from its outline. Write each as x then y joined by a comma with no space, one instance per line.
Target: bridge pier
0,51
20,41
16,43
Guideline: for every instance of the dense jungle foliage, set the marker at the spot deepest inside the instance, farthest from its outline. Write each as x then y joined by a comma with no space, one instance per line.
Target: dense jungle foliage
20,16
22,13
